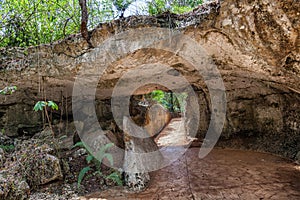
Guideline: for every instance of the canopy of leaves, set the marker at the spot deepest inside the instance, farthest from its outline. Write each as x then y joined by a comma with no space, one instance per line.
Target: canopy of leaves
32,22
175,6
171,101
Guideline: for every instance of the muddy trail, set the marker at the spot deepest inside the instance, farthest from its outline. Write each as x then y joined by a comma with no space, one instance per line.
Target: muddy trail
223,174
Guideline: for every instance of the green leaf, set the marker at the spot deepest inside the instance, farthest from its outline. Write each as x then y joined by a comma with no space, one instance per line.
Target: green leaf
63,137
157,95
116,177
7,147
97,173
79,144
101,153
53,105
8,90
81,175
89,158
39,105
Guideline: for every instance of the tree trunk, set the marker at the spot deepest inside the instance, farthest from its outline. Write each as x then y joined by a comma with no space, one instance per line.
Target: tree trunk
84,20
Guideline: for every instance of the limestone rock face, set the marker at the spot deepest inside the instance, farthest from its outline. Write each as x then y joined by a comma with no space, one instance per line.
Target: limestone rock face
254,45
33,163
13,187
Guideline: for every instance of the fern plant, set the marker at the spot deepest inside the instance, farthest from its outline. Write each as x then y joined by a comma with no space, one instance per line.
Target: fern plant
97,161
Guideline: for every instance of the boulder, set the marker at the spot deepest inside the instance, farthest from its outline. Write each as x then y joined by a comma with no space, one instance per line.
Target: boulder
43,169
34,162
39,162
13,187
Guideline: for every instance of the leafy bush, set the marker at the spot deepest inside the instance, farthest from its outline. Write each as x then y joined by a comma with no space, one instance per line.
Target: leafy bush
175,6
33,22
122,5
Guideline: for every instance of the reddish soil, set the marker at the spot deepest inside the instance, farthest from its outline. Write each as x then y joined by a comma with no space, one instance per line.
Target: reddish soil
223,174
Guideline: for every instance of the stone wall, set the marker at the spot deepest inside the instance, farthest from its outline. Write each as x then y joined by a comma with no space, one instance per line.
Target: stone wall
255,45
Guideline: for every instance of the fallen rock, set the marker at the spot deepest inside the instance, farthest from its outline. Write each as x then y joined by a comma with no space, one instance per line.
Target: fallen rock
34,162
13,187
39,163
43,169
56,192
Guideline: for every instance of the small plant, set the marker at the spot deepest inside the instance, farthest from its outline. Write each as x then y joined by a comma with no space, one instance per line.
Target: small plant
7,147
42,105
8,90
97,161
122,5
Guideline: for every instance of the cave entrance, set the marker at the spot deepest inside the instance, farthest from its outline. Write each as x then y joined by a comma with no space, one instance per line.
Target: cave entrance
161,112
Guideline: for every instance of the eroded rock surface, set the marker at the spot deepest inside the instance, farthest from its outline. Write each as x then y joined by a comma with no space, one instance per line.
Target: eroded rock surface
254,44
33,163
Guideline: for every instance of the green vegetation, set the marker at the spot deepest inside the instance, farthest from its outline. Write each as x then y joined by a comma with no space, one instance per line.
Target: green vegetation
122,5
8,90
32,22
42,105
7,147
175,6
96,161
174,102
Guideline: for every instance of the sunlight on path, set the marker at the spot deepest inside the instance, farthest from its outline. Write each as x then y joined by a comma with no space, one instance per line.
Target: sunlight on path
173,134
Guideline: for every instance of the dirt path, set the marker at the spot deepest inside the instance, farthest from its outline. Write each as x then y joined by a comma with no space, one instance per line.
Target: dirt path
223,174
173,134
